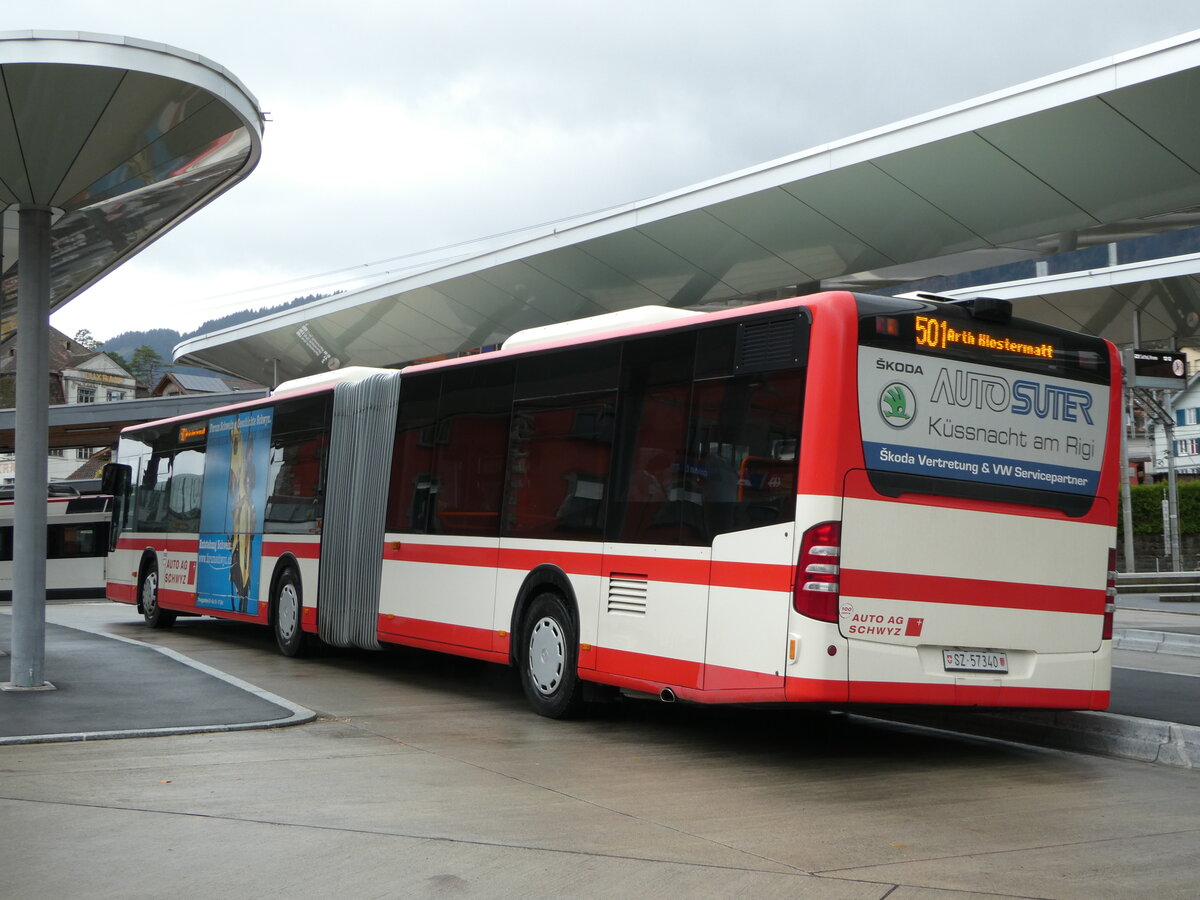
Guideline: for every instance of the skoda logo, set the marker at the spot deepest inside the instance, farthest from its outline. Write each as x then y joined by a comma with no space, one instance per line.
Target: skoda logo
897,404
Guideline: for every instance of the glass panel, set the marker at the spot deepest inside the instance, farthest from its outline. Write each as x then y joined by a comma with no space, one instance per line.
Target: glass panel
714,351
304,414
558,468
655,393
75,541
412,488
741,469
186,487
471,452
152,493
564,372
654,508
472,448
294,505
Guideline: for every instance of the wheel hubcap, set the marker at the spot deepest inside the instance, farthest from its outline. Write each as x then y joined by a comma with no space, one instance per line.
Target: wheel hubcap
547,655
288,612
150,592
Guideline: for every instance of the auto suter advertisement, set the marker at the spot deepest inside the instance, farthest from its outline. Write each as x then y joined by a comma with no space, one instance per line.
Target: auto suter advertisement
949,419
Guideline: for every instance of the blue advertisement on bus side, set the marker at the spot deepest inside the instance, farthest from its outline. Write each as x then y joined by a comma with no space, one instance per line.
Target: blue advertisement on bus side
236,469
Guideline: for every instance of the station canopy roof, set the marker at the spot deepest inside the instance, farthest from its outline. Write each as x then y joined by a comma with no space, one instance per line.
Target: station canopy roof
121,138
1084,157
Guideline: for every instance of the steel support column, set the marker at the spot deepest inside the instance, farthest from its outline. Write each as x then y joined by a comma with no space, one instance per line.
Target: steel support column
33,401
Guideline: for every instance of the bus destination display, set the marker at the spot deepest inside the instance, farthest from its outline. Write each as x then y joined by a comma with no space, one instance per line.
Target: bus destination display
939,334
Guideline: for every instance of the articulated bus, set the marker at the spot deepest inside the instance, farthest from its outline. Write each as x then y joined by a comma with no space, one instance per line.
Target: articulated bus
77,540
833,499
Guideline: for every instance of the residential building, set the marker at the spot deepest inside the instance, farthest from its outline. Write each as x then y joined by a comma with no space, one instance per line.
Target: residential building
77,375
1185,407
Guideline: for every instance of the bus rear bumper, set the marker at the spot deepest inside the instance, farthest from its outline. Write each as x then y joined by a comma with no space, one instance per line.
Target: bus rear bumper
1072,680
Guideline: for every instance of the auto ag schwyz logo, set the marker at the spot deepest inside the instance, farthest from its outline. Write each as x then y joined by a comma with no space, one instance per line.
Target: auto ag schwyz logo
897,404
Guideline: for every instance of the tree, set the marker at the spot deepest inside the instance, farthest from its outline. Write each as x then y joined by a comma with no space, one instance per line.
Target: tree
146,364
84,339
118,359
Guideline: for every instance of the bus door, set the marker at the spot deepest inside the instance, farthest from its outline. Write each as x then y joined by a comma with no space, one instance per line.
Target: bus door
747,429
115,480
748,603
654,591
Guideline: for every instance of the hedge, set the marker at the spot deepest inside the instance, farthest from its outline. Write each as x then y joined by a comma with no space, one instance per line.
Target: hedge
1147,499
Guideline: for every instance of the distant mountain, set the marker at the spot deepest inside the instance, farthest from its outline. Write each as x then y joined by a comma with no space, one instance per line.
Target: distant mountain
163,340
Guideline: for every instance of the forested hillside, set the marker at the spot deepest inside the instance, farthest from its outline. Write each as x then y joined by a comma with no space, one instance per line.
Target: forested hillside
163,340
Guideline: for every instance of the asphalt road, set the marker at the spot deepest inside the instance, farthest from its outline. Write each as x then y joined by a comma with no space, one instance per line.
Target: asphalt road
1168,697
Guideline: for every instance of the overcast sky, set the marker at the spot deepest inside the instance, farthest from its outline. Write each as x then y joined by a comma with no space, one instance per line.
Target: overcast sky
400,126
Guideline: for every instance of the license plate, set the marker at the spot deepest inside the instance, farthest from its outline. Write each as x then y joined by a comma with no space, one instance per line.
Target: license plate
975,660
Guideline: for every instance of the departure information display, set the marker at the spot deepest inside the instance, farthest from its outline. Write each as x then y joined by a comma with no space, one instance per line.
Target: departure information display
939,334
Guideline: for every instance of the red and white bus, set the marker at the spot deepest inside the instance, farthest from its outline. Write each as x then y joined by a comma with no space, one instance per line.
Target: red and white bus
833,499
77,540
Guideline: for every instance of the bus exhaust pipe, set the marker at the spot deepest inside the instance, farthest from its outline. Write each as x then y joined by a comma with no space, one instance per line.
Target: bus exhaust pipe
666,695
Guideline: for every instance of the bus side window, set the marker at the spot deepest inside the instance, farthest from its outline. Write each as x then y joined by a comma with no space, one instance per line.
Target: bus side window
474,411
742,448
186,485
295,480
75,541
655,504
651,503
294,502
410,493
559,460
152,494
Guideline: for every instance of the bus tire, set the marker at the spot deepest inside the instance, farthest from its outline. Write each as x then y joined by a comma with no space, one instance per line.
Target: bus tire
549,658
155,615
286,608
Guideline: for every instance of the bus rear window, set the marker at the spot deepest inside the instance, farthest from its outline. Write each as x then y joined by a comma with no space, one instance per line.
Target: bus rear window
996,410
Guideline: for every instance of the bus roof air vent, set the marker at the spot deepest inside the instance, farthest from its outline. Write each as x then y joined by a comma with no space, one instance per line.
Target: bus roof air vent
770,344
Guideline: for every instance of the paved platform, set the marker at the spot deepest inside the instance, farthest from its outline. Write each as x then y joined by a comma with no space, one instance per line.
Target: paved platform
108,687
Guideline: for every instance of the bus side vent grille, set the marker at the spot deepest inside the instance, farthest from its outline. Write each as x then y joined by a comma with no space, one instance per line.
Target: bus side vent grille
627,593
774,344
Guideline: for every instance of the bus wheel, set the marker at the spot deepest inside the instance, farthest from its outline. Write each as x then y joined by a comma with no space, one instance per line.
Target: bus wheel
285,614
155,615
549,650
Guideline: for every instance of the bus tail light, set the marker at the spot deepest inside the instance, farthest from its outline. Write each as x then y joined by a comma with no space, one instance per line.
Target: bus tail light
817,572
1110,595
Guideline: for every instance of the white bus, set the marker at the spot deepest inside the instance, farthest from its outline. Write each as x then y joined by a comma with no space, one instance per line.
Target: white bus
833,499
77,541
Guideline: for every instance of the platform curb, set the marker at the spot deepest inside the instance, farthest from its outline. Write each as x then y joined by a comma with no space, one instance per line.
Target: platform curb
1100,733
1148,641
